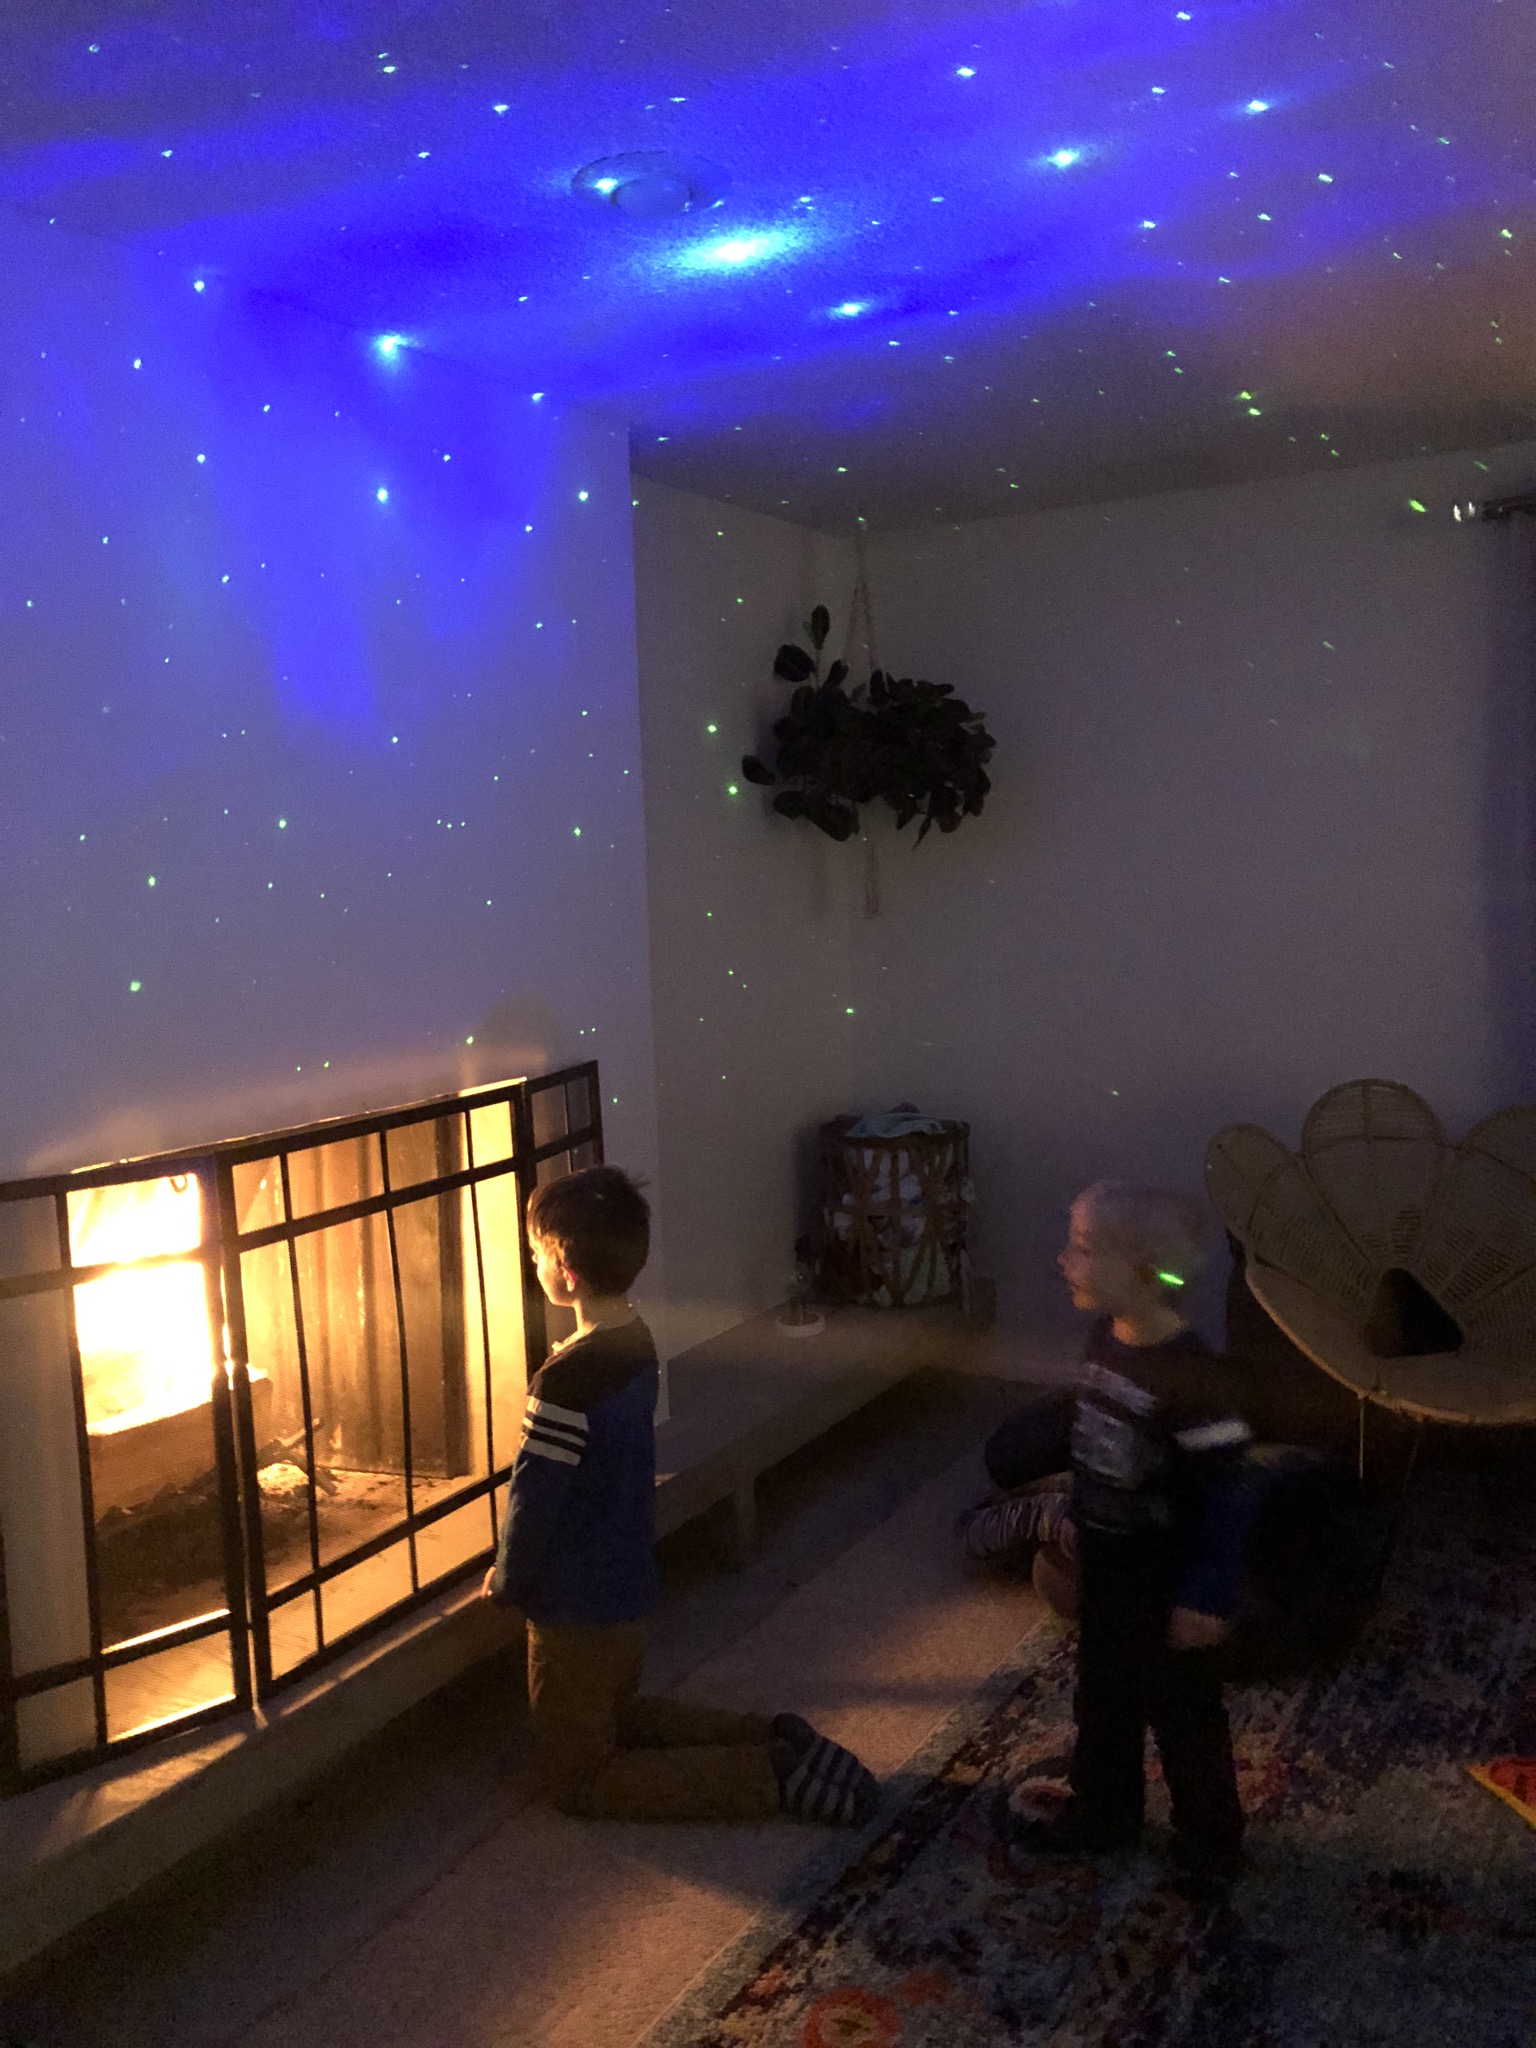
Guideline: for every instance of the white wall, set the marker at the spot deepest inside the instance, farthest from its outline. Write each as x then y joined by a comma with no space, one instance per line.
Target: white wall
749,913
380,756
1261,824
1227,864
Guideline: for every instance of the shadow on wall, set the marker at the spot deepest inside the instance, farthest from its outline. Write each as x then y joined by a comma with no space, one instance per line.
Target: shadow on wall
807,1155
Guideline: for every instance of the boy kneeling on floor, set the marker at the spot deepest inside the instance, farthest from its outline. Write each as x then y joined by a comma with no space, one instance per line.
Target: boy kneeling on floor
577,1556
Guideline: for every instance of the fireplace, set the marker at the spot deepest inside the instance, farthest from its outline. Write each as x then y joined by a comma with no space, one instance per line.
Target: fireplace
257,1400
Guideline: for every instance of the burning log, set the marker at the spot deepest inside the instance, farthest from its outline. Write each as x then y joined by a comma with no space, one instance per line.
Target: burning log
290,1450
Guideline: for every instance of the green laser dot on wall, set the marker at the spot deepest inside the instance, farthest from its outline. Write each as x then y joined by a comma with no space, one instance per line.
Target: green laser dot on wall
1170,1279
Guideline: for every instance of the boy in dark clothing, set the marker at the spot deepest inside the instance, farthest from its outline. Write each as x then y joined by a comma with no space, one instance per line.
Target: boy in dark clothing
577,1555
1157,1544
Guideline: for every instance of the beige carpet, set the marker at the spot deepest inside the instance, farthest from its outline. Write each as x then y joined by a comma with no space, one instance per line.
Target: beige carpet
554,1933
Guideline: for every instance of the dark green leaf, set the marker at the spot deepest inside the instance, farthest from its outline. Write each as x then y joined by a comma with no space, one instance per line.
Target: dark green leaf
838,820
792,664
902,741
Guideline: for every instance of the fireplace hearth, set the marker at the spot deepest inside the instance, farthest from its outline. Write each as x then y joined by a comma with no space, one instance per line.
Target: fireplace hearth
256,1401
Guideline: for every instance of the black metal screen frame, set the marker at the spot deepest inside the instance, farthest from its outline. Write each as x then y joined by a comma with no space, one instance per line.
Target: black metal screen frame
527,1156
249,1601
229,1621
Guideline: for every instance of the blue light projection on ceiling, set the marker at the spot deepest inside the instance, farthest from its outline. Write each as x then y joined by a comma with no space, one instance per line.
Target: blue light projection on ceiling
968,258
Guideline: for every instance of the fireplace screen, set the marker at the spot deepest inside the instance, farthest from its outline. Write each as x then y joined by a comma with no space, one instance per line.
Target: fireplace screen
256,1401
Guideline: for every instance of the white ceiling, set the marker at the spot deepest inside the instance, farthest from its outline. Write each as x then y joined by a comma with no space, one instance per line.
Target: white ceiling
1082,248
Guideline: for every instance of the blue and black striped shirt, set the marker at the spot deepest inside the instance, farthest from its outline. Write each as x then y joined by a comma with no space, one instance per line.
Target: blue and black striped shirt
578,1540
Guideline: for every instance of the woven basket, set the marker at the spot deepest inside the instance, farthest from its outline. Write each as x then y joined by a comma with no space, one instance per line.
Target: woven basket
1377,1191
894,1215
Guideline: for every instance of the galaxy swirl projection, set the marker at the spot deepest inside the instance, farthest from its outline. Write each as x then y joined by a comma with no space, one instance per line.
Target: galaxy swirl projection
910,263
319,766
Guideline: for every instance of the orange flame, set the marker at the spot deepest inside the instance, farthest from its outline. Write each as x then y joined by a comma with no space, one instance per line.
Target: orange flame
146,1342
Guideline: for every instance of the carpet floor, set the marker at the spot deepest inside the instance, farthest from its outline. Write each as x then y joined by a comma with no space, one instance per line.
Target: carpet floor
1387,1898
416,1897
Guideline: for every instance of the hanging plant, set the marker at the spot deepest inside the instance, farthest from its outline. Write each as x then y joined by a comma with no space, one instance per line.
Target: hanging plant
913,745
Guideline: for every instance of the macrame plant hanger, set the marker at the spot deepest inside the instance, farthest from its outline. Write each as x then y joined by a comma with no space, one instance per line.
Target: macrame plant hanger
860,603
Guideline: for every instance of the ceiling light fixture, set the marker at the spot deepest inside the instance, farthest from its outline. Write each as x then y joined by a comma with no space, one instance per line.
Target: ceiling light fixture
652,184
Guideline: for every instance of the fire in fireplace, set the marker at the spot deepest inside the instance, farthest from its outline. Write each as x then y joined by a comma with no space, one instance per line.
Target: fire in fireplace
147,1350
257,1400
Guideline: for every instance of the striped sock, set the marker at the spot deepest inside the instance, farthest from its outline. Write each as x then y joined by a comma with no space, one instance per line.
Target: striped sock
795,1730
1011,1527
822,1781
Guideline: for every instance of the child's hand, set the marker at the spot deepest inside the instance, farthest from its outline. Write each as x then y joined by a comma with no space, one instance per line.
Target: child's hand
1189,1630
487,1582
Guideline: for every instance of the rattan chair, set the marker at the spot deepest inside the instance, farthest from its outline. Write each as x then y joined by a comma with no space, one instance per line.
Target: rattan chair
1402,1264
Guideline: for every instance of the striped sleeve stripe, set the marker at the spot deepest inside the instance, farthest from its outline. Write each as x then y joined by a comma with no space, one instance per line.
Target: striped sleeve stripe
576,1438
561,1425
556,1433
550,1431
548,1411
1215,1436
1114,1386
553,1432
539,1446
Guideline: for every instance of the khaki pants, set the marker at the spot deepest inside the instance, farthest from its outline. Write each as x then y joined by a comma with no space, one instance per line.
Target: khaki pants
605,1751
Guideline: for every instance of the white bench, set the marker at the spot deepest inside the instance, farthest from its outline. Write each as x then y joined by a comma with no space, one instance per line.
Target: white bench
751,1396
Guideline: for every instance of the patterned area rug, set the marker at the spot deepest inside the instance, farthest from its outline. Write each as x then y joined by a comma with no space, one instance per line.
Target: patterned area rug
1387,1899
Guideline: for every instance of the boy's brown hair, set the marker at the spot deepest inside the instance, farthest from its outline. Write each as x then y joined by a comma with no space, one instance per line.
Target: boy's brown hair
599,1224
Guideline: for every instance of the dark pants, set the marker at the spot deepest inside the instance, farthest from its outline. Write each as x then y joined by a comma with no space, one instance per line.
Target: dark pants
1128,1680
1031,1442
605,1751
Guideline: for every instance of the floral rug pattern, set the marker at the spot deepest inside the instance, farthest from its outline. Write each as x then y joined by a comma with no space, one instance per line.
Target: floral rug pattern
1387,1897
